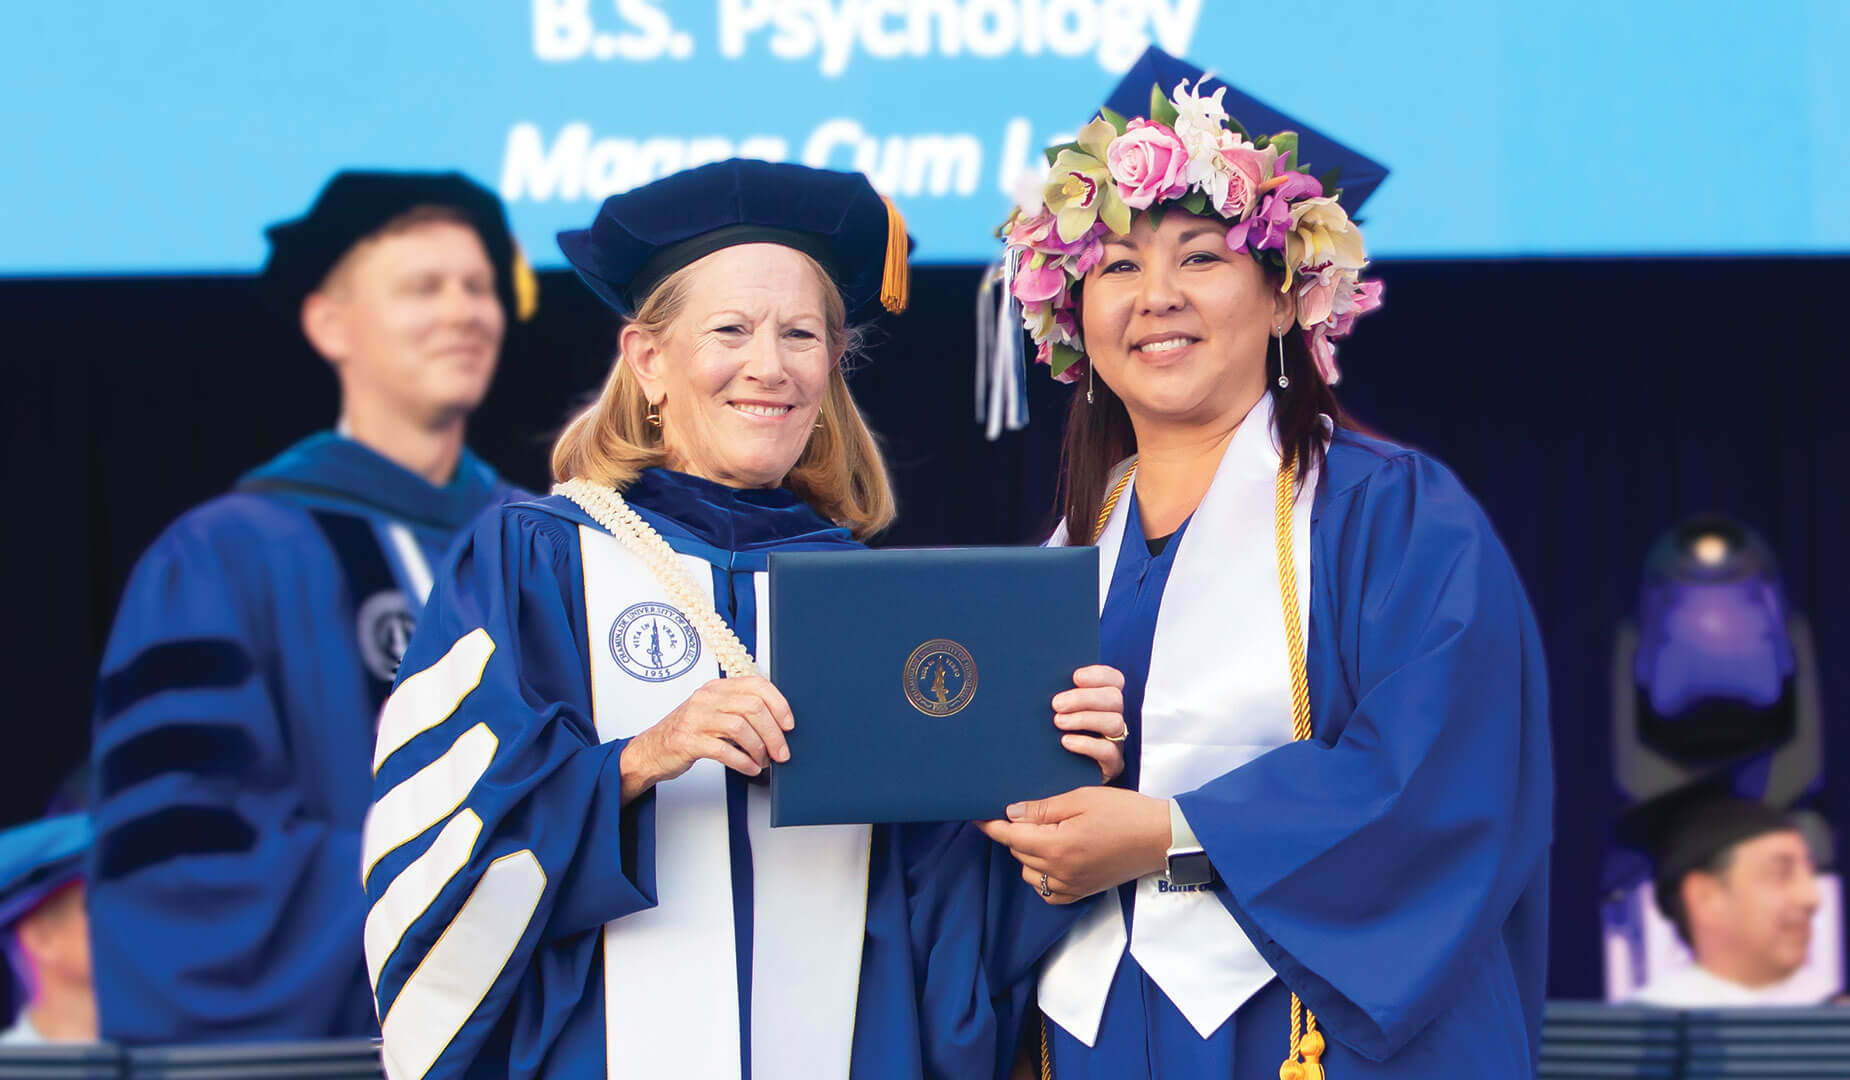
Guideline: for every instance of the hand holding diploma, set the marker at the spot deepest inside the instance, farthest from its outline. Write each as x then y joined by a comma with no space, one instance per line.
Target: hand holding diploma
1092,715
1092,838
739,723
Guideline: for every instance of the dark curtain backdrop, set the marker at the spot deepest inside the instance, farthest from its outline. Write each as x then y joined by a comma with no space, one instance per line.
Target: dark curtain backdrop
1588,404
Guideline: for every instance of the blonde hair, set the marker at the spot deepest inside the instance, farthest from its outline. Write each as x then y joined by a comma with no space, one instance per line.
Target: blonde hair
840,472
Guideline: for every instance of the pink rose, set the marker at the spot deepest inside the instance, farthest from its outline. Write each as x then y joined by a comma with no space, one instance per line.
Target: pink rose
1245,169
1147,162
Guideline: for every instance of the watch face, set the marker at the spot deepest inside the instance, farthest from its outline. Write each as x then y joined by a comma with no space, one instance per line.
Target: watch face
1190,868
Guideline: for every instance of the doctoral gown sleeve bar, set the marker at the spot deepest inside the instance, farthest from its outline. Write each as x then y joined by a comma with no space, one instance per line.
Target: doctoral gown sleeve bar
220,910
497,811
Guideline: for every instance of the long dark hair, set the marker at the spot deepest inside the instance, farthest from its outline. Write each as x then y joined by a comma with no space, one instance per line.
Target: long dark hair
1099,434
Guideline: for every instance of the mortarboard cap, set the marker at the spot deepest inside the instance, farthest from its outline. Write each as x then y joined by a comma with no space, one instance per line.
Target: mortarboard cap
356,204
641,236
1317,152
37,859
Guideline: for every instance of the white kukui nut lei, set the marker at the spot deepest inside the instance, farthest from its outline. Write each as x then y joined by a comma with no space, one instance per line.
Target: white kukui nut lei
609,509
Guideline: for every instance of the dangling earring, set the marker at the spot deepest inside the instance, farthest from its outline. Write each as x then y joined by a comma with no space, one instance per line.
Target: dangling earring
1088,380
1284,382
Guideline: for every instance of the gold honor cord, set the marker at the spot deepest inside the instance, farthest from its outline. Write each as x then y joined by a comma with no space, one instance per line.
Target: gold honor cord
1307,1046
1305,1060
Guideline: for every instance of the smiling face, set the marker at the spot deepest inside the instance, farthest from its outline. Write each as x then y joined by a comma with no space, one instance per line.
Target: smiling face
410,321
740,374
1753,919
1177,325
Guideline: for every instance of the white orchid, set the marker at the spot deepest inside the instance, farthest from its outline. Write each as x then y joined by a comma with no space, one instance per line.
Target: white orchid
1201,124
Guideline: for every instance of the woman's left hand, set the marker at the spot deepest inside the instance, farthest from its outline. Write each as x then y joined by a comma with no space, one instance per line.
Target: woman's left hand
1092,715
1084,841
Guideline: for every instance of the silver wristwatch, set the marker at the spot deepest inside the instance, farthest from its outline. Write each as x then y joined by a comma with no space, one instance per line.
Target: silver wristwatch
1188,866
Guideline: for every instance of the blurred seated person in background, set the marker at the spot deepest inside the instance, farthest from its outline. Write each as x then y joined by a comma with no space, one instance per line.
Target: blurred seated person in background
1735,877
260,633
47,935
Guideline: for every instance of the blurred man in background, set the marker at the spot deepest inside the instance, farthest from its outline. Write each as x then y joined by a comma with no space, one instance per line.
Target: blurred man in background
1736,879
47,936
259,635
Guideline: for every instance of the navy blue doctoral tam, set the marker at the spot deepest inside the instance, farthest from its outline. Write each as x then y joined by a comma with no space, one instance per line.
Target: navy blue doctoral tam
640,237
356,204
37,859
1317,152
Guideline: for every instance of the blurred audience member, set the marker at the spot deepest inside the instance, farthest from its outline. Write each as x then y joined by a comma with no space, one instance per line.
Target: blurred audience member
259,635
47,934
1736,879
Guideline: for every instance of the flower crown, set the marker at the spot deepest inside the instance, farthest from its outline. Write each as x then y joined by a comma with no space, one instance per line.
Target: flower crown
1189,153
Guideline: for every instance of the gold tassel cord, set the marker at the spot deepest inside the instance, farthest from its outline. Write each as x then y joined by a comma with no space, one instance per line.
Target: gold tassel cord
1284,496
1111,501
1307,1046
896,278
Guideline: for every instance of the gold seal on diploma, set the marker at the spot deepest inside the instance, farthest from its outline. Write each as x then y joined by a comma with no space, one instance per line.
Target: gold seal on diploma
940,677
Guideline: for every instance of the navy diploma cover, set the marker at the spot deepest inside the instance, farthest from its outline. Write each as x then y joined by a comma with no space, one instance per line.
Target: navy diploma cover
922,680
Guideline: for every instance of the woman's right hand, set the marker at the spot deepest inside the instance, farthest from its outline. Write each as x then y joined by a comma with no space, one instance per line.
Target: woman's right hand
739,723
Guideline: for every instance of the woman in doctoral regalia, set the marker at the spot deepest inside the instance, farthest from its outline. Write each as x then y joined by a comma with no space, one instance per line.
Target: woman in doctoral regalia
569,872
1330,842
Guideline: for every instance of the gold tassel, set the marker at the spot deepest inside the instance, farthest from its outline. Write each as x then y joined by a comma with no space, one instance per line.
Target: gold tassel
526,287
1308,1046
896,280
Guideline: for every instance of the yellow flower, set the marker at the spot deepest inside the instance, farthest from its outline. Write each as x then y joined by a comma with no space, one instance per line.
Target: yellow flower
1080,190
1322,235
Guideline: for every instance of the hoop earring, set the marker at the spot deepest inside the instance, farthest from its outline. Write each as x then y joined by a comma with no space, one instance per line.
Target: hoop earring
655,417
1284,382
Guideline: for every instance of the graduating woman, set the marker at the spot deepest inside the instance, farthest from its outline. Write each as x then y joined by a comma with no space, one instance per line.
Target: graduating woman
570,874
1330,843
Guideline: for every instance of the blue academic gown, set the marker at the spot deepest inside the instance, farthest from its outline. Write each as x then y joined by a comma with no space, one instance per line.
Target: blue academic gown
234,722
953,934
1393,870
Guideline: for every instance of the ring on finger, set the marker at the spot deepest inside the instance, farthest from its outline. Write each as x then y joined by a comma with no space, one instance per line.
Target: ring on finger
1045,891
1120,736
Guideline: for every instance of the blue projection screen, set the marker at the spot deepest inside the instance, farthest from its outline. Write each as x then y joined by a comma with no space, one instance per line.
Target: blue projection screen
161,136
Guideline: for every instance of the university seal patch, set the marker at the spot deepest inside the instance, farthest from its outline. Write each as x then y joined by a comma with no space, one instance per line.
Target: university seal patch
654,642
940,677
384,624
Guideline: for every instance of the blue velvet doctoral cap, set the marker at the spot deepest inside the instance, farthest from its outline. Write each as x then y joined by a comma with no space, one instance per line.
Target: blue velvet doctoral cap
356,204
1317,152
641,236
37,859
